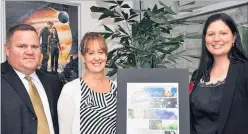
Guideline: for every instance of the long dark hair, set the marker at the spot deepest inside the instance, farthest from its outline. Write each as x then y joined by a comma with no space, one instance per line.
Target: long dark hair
56,34
236,54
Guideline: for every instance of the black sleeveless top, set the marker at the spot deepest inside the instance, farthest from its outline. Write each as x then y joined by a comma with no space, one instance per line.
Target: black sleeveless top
205,107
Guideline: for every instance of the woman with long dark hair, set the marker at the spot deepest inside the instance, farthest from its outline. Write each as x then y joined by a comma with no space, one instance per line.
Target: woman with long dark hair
219,94
55,49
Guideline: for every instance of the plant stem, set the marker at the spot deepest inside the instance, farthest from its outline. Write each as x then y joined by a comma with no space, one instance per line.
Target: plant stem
130,33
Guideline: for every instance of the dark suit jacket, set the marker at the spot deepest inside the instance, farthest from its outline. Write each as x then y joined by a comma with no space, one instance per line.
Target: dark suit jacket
17,112
234,106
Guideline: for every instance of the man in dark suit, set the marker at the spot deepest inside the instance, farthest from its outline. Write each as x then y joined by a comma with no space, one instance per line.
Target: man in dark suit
28,96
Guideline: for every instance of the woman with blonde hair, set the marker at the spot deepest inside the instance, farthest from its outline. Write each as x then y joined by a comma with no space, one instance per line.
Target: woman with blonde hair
87,105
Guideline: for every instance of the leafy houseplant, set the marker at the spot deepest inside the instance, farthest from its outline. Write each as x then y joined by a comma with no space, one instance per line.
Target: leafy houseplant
147,43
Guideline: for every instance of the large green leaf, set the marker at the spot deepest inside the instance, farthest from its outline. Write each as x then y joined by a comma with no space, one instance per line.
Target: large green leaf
131,12
99,9
103,16
132,21
133,16
122,30
124,39
168,9
155,9
119,2
125,6
106,35
116,35
161,10
111,1
175,47
117,14
125,15
123,65
162,50
131,59
178,38
112,53
118,19
112,7
165,30
106,12
107,29
158,18
113,60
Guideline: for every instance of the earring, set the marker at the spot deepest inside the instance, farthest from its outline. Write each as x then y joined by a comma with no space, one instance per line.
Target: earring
233,44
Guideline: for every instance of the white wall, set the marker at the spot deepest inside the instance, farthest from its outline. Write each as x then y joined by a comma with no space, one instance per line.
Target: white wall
2,32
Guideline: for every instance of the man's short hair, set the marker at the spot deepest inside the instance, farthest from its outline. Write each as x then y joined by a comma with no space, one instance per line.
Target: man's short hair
19,27
50,23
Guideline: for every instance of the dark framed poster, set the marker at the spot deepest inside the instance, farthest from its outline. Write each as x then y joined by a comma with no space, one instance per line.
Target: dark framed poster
50,18
153,101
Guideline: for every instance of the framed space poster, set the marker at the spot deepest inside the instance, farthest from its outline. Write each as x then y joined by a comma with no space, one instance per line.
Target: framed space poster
49,18
153,101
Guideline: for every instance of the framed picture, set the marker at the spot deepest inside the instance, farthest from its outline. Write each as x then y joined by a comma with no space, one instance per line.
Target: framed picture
153,101
59,30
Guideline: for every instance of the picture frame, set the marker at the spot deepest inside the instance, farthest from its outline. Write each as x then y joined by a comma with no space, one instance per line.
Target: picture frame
153,101
65,17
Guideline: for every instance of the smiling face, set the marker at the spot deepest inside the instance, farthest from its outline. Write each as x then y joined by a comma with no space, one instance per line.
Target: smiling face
23,51
95,57
219,38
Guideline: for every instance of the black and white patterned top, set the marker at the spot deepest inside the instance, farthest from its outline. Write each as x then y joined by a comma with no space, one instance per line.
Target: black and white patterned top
97,110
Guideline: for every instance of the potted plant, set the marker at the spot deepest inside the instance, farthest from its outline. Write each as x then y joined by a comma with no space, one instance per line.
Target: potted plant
147,43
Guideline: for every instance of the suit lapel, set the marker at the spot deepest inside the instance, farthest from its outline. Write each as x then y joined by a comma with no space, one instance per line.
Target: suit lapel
10,75
228,93
48,89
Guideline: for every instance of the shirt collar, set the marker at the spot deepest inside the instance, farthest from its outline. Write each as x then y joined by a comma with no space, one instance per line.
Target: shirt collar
22,75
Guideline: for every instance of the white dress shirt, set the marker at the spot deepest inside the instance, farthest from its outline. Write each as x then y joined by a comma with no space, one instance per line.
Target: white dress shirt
42,94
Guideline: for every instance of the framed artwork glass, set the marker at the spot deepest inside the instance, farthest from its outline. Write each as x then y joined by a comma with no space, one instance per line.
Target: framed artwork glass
153,101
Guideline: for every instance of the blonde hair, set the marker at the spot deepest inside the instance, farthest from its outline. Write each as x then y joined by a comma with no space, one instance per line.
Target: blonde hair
92,36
